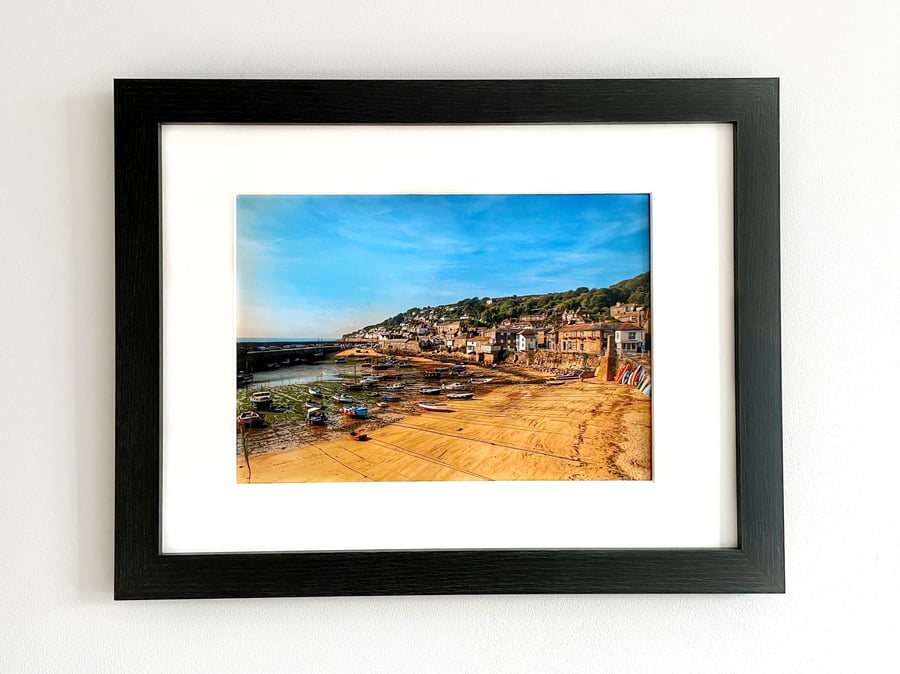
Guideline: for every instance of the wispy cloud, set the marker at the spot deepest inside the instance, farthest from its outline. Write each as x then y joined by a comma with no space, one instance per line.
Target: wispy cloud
324,265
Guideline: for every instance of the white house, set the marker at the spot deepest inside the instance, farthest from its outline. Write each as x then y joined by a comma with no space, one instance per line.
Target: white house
629,338
475,344
526,340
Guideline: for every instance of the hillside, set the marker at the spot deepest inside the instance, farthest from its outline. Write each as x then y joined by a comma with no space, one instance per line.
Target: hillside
487,311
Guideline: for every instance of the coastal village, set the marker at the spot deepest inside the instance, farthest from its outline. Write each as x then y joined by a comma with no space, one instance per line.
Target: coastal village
532,378
426,396
577,340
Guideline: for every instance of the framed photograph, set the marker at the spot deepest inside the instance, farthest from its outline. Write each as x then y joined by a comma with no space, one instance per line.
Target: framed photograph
445,337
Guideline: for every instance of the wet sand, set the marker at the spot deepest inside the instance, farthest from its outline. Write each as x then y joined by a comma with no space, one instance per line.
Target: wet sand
581,430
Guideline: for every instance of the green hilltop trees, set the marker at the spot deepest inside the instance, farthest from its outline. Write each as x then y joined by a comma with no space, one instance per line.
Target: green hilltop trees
485,311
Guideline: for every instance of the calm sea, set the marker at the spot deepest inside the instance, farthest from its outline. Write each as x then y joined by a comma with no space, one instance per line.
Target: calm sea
303,374
298,373
286,339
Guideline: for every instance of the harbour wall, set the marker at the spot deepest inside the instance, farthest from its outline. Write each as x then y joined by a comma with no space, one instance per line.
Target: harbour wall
251,360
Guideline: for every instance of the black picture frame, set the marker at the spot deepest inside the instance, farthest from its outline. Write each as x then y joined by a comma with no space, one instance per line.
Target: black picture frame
749,105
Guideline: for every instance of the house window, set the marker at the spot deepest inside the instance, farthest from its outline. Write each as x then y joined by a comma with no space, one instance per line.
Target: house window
632,336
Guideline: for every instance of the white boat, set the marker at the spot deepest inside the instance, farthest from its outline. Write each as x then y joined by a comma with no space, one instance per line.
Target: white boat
250,420
315,417
454,387
261,400
460,396
435,407
342,398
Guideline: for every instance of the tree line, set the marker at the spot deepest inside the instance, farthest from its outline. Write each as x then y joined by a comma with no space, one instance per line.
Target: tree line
487,312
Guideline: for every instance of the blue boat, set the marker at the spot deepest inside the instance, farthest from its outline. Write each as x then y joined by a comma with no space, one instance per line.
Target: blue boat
356,412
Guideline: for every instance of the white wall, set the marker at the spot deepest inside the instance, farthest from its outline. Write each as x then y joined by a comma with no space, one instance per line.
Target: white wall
840,95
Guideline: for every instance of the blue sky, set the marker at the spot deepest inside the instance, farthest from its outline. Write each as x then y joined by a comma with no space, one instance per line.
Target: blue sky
323,266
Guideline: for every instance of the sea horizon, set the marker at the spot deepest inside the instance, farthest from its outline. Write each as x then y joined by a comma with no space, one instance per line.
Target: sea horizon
287,339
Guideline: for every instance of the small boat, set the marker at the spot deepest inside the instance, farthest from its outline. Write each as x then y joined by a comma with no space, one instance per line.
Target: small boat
435,407
403,363
389,398
481,380
279,408
354,386
359,436
563,377
310,404
429,391
261,400
458,368
382,404
453,387
432,374
315,417
355,412
250,420
286,361
342,398
313,391
460,396
555,382
340,359
394,387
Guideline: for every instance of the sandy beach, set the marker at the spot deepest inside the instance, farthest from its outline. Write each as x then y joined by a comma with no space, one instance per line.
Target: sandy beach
515,428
